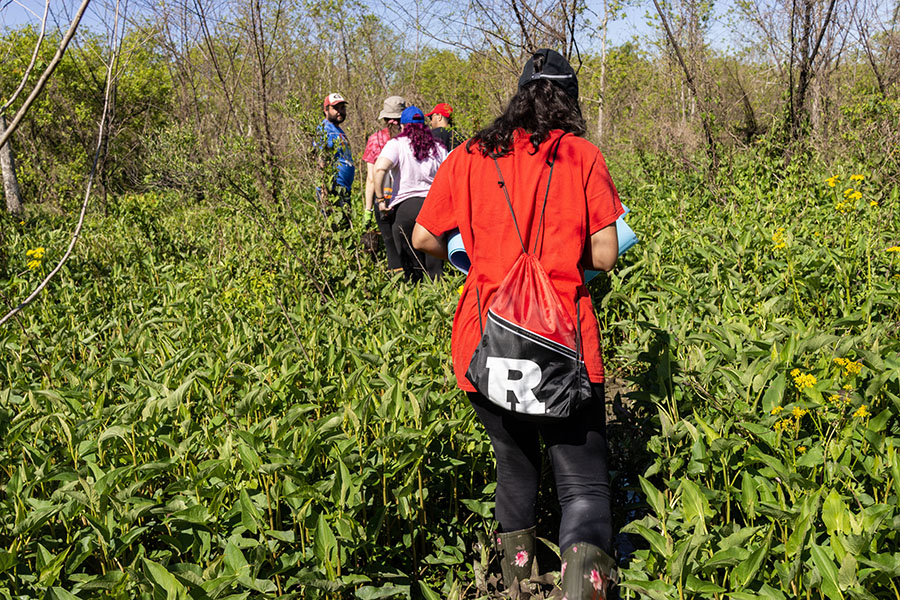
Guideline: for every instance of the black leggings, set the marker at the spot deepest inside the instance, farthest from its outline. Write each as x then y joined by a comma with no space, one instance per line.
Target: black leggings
390,248
578,452
415,262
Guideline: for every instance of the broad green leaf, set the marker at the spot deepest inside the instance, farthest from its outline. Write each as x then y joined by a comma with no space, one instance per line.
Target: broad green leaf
52,567
7,560
812,458
324,544
698,586
115,431
835,514
746,570
235,562
250,517
774,394
655,498
389,590
655,589
847,577
427,592
885,563
482,509
656,540
163,581
695,506
749,495
828,570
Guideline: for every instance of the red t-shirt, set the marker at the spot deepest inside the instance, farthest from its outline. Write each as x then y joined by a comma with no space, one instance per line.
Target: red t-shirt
466,195
375,144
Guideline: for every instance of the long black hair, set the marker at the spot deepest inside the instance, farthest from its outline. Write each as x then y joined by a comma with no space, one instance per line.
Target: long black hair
537,107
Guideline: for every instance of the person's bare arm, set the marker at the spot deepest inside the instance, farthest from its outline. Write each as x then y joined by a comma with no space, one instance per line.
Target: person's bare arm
429,243
369,196
382,166
604,248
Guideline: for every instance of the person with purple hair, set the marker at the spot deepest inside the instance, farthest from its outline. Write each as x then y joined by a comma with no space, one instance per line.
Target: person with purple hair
413,158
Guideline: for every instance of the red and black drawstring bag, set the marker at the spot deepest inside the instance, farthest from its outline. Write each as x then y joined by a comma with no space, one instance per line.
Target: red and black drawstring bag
530,358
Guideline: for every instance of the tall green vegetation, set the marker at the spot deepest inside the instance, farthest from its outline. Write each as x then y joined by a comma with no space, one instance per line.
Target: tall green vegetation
220,396
185,414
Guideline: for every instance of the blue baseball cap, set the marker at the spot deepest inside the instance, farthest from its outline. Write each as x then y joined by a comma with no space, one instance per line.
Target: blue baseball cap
412,114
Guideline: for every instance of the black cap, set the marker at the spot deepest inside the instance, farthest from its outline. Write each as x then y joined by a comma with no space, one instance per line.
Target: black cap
556,69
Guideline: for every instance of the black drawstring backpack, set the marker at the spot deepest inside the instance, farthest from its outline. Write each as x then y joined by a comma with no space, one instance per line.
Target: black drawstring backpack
530,358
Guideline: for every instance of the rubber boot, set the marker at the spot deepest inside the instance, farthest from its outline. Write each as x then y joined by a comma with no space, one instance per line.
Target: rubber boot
516,551
588,573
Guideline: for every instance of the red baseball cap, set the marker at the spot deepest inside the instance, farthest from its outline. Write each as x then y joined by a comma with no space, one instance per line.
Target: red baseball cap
442,109
332,99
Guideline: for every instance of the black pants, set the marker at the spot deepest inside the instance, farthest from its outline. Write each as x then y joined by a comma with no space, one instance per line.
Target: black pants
578,454
415,262
384,223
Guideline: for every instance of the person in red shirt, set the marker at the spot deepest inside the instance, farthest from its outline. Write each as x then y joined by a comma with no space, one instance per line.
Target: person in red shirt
578,232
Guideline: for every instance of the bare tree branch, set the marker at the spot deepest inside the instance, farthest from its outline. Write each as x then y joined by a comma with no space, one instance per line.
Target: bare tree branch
704,119
34,55
110,75
39,86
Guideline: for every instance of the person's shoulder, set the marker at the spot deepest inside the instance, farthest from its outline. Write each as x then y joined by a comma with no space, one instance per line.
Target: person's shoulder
462,155
579,143
376,137
393,146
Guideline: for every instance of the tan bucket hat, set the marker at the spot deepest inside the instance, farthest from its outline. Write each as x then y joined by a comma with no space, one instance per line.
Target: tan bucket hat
393,106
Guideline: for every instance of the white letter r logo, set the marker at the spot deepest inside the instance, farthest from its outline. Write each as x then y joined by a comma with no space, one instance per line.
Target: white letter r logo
500,384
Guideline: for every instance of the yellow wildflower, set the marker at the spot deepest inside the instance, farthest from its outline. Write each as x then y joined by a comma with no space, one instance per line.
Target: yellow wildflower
803,380
850,367
777,410
893,249
37,253
843,207
782,425
799,412
847,192
857,177
862,412
778,238
801,449
856,195
34,264
873,203
832,181
848,387
838,399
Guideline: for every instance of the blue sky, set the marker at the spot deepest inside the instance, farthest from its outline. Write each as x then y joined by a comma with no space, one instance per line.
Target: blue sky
635,23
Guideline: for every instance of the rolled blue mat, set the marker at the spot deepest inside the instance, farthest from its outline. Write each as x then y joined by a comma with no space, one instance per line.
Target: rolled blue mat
456,251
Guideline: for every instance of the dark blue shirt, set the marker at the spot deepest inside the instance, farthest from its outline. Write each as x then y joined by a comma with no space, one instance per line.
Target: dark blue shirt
333,137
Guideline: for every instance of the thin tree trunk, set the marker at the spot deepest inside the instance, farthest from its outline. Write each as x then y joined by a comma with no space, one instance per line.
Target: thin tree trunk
808,56
711,150
11,189
604,27
864,35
